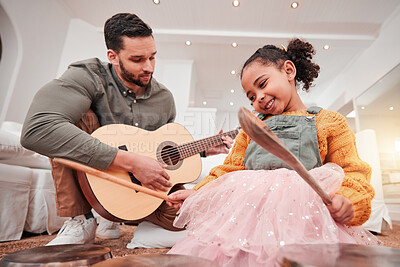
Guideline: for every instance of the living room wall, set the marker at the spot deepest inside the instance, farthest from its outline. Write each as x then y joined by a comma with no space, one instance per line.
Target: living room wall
40,27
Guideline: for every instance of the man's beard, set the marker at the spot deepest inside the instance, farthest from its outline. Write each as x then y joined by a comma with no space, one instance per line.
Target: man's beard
129,77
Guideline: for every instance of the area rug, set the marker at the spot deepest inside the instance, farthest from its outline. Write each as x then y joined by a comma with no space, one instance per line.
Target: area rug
390,238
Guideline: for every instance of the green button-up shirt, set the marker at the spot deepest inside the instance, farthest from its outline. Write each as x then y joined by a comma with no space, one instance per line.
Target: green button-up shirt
49,126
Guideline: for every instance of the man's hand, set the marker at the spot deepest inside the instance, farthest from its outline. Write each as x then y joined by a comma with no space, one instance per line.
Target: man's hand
341,208
223,148
147,170
179,195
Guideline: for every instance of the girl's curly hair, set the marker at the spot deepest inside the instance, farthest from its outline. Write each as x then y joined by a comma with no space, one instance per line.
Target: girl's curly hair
298,51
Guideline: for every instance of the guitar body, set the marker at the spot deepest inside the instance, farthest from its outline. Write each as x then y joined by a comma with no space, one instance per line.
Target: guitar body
118,203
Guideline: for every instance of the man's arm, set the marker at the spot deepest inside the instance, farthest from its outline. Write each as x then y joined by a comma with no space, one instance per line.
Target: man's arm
49,126
49,129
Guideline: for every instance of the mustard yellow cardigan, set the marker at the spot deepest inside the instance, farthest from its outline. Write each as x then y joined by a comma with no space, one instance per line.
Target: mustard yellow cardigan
336,144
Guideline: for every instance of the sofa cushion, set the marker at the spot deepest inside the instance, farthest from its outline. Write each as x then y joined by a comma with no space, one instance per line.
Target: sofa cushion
15,182
13,153
149,235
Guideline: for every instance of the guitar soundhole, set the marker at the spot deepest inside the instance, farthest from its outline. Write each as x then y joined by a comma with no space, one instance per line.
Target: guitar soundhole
170,155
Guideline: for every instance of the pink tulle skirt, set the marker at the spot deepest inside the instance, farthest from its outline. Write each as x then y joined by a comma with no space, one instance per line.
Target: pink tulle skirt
244,217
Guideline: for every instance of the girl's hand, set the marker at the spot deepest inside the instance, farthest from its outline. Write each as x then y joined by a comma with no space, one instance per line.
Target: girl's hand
179,195
341,209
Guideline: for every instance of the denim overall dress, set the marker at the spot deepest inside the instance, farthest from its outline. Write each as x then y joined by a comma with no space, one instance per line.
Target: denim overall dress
297,133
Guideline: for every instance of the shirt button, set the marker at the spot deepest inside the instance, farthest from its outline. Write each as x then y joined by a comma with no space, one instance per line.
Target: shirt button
136,124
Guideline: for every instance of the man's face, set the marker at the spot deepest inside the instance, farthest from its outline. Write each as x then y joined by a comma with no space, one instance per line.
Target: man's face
136,60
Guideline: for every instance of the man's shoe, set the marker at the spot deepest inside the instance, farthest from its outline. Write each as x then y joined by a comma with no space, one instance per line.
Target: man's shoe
77,230
107,229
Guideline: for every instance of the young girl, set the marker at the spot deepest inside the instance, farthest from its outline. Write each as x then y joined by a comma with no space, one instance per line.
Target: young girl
258,204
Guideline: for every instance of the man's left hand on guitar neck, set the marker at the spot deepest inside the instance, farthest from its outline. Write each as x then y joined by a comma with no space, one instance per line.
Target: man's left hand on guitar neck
220,149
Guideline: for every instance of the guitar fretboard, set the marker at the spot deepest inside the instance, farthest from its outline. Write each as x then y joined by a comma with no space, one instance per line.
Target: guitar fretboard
193,148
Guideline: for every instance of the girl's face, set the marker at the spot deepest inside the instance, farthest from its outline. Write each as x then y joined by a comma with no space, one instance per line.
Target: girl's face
271,90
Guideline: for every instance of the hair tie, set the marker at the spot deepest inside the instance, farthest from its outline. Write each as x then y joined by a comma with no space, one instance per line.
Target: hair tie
284,48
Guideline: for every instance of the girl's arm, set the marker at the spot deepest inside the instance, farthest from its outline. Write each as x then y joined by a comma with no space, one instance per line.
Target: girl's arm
341,149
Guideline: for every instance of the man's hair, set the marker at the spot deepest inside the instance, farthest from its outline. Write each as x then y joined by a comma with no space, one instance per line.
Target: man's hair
124,24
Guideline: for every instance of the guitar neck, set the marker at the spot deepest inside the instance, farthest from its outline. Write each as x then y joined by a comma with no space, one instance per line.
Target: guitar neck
193,148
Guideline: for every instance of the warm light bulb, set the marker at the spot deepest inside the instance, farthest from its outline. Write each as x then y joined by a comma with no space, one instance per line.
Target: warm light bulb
233,72
294,5
232,91
188,43
234,44
204,103
156,2
231,103
391,108
326,47
235,3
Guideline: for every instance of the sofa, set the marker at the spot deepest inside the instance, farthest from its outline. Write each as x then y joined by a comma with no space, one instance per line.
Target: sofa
367,147
27,201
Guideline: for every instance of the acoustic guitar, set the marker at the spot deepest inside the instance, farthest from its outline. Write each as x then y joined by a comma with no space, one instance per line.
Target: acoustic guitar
171,144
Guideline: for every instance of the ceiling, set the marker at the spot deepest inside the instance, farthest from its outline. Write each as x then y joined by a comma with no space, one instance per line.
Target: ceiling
348,27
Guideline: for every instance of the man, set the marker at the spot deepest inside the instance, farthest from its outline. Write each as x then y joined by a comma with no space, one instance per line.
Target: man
91,94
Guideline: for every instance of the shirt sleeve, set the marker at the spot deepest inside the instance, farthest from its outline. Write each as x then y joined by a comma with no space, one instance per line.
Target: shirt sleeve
233,162
342,150
49,127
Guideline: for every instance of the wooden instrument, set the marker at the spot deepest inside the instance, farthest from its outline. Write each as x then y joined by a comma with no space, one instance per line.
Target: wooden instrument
171,145
265,138
339,254
156,260
60,255
111,178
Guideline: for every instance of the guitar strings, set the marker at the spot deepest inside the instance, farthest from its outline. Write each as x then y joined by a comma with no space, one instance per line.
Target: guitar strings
200,143
191,148
197,144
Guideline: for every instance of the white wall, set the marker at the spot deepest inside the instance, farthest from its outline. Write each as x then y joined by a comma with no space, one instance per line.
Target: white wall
373,64
176,75
387,130
10,61
227,120
82,41
179,77
40,27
